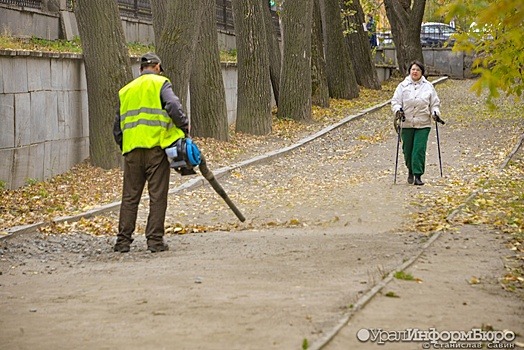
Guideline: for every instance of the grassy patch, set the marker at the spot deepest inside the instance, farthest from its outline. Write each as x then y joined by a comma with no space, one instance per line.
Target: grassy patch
392,295
228,55
37,44
401,275
75,46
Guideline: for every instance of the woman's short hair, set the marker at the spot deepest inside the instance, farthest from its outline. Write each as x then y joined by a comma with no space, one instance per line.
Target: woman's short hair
419,64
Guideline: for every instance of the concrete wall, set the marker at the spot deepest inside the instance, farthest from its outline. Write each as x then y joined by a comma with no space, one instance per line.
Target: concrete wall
438,61
28,23
443,61
43,115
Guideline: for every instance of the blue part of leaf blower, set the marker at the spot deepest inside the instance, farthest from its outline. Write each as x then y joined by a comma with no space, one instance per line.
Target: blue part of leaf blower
183,156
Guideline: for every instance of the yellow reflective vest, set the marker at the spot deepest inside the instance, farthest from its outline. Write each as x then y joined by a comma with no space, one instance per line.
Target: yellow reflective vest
144,123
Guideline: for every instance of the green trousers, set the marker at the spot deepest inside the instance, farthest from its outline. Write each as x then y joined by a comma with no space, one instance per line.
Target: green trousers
414,144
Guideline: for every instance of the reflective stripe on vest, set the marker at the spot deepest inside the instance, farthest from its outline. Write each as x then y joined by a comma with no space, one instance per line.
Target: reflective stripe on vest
143,122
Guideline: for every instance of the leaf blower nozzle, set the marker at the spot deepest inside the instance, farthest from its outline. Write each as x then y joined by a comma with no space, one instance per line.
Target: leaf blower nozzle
184,156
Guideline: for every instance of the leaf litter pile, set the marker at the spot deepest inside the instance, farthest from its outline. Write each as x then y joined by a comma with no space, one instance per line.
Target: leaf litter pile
494,198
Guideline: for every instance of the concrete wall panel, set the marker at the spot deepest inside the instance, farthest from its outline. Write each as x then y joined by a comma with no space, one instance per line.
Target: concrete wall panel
146,35
22,119
38,117
230,77
71,74
22,167
7,120
57,75
79,150
38,74
3,59
50,116
6,166
73,119
46,25
14,74
61,112
18,23
84,112
52,159
37,158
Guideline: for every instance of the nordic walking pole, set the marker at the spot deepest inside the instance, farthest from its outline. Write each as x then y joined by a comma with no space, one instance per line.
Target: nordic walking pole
438,120
399,131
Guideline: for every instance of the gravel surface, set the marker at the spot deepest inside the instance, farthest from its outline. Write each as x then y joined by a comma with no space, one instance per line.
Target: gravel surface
324,225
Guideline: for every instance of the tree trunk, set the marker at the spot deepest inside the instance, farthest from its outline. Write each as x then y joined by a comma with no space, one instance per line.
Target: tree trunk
176,34
208,96
295,81
319,83
254,86
275,56
405,23
341,75
358,43
108,69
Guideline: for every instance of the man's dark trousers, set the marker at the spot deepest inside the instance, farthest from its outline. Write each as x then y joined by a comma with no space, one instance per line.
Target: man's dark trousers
141,165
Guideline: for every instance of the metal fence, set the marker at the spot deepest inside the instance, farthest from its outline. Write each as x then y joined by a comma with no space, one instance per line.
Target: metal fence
36,4
224,15
141,9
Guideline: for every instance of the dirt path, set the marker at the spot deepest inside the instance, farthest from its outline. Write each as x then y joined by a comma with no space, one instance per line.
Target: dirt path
457,288
325,224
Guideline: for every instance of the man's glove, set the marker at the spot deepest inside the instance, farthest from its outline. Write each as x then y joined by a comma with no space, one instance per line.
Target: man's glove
399,117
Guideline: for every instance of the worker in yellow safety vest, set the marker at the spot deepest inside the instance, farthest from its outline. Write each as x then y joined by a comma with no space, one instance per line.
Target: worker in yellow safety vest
149,119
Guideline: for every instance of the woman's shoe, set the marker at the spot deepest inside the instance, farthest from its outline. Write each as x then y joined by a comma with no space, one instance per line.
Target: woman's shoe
410,178
418,180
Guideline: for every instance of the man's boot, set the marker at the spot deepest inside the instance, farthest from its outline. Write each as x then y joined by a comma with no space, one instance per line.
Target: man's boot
410,178
418,180
122,244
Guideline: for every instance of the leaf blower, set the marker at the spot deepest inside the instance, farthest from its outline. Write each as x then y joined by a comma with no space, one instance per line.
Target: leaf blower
184,156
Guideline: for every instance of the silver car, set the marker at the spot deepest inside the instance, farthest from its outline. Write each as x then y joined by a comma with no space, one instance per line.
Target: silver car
433,34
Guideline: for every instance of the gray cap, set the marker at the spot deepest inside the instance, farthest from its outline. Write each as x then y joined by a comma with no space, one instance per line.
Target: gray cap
150,59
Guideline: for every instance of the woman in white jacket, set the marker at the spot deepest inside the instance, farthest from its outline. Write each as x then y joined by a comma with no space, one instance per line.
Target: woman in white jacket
415,103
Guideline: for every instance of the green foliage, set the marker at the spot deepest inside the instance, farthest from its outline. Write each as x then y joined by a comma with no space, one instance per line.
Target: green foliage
38,44
3,185
31,181
401,275
228,56
305,344
370,6
495,36
139,48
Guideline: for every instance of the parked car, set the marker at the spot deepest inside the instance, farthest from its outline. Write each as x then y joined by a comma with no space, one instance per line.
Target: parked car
433,34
